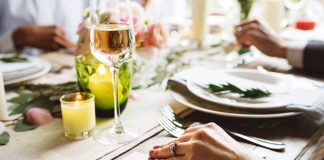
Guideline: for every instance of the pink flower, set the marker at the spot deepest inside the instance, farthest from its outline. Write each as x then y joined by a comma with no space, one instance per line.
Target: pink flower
155,36
140,36
133,95
38,116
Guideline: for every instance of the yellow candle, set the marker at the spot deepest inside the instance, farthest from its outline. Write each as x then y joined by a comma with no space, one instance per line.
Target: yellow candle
101,86
78,113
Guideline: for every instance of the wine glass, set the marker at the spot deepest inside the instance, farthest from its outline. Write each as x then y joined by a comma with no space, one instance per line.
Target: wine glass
112,42
295,4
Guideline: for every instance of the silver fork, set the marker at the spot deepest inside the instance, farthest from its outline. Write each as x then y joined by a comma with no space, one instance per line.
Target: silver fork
172,124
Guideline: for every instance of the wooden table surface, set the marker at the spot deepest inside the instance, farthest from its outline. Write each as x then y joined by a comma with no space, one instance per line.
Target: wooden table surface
303,138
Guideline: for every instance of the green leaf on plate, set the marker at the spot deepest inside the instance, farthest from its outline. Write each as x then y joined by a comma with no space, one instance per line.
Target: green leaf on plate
4,138
243,51
23,125
230,88
14,58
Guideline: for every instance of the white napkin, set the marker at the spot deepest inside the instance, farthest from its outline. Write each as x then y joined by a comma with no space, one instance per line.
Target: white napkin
294,92
20,69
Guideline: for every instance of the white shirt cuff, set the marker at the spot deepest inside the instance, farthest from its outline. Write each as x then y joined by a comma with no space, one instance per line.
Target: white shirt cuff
6,43
295,53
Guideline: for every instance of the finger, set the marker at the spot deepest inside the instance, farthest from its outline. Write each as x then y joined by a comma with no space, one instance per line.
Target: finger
193,129
63,42
58,31
248,22
248,34
183,138
165,152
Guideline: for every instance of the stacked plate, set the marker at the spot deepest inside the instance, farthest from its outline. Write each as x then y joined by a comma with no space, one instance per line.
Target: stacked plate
15,72
186,88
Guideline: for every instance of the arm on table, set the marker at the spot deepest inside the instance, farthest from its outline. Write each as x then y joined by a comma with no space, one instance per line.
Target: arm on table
306,55
49,38
314,57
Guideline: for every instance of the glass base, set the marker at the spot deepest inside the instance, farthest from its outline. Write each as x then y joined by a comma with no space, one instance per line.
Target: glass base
80,135
107,136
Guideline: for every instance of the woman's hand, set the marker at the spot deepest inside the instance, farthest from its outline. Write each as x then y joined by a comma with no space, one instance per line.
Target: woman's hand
254,33
49,38
207,141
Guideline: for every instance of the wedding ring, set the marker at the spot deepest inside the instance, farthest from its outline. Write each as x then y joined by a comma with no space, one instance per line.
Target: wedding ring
173,148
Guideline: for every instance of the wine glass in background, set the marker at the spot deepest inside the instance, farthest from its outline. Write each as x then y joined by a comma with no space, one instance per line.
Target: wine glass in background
112,42
295,7
294,4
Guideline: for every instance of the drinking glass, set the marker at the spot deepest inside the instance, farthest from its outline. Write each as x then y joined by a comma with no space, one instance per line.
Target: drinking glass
295,4
112,42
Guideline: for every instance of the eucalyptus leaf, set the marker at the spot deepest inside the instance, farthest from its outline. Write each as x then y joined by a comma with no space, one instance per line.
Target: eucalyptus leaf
158,78
40,95
174,55
230,88
243,51
216,45
23,125
14,58
21,98
18,108
137,87
4,138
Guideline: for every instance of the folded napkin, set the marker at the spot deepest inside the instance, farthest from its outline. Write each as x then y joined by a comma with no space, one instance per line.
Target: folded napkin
20,69
298,95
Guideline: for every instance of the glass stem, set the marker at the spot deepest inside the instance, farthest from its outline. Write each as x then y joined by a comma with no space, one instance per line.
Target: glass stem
117,127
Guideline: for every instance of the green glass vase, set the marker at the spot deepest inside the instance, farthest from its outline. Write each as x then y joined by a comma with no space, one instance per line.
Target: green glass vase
95,77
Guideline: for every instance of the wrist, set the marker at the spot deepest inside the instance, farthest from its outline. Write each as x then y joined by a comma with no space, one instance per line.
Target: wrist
282,51
19,38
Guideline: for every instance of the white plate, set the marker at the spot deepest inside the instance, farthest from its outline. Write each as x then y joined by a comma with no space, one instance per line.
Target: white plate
223,111
275,80
46,66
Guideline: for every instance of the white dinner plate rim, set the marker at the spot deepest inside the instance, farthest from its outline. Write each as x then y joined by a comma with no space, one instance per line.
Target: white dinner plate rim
262,106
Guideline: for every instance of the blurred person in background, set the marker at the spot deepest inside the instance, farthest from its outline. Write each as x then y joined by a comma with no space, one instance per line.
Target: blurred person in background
307,55
33,26
164,10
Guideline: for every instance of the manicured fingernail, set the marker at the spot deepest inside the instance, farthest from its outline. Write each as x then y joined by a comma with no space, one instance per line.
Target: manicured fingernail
156,147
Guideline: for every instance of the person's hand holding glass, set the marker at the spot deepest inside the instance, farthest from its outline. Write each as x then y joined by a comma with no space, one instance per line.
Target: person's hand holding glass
112,42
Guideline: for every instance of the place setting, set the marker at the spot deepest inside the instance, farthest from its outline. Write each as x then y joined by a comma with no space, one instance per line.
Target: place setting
244,93
19,68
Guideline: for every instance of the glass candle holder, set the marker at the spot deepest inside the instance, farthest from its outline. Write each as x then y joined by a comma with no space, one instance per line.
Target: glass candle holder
95,77
78,114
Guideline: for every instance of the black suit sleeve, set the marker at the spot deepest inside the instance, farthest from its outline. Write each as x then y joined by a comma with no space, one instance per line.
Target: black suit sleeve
314,57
